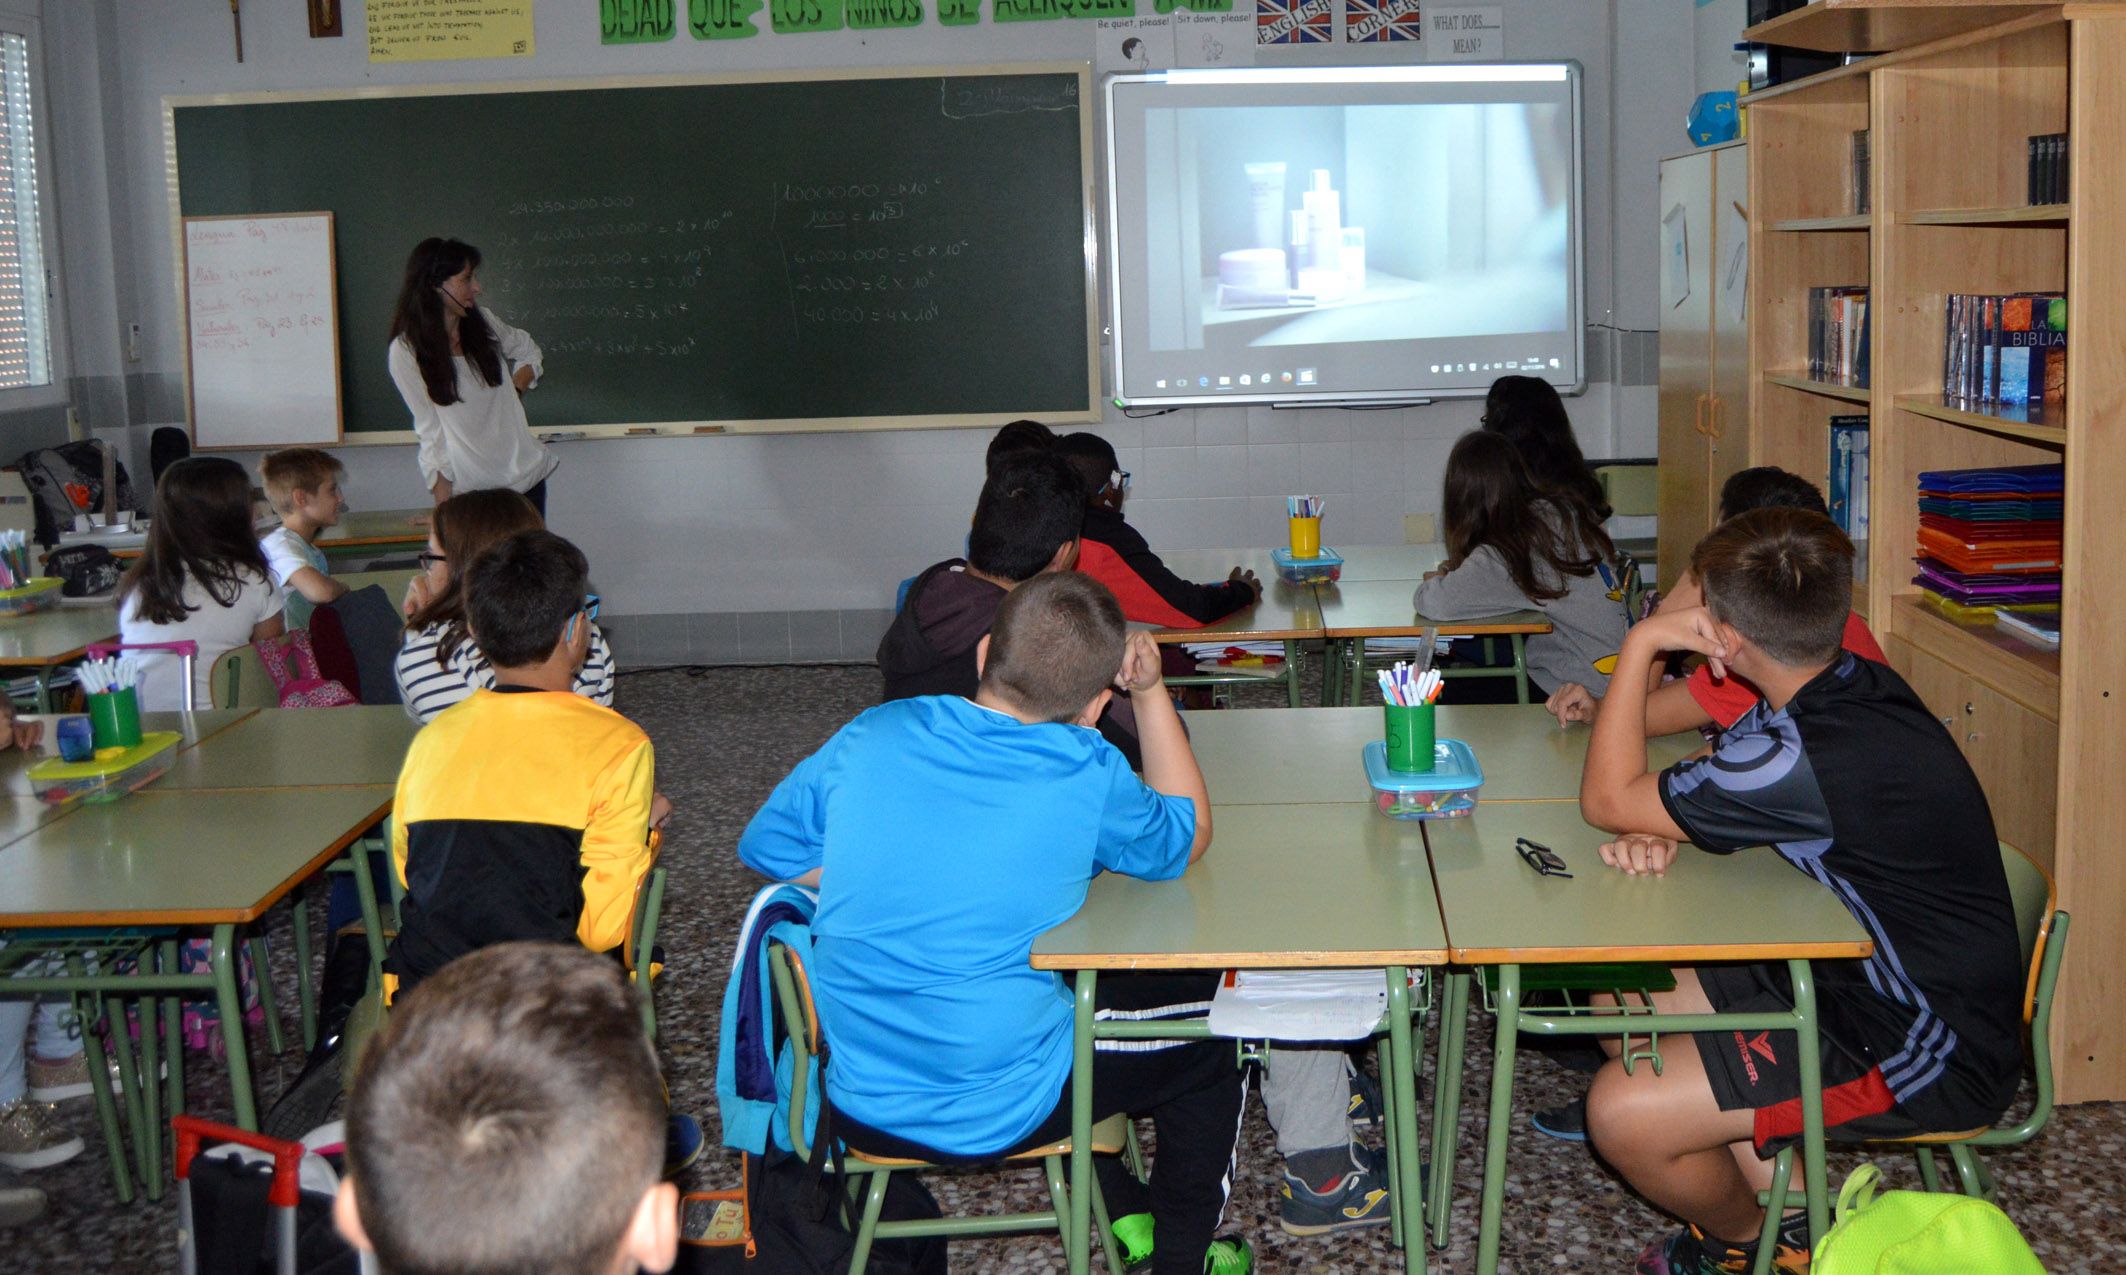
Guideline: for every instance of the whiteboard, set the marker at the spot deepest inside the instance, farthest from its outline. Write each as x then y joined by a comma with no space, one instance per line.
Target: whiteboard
262,348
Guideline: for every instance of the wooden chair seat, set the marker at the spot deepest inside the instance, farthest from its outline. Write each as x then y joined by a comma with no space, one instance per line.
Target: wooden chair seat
1108,1138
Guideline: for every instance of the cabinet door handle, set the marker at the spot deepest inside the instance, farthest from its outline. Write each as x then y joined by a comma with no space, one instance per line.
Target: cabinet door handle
1716,426
1699,424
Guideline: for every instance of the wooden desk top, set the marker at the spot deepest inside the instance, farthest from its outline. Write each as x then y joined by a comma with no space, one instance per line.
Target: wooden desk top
1281,887
1382,608
164,857
1752,905
300,747
1255,757
15,764
1389,562
55,636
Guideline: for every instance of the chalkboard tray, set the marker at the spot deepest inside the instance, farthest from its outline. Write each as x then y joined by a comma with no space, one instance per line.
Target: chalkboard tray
848,250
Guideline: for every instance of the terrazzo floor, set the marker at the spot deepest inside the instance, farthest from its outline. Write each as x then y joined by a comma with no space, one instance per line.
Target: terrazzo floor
724,737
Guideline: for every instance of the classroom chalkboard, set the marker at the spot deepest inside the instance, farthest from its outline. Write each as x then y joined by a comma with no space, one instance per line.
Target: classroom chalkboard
841,251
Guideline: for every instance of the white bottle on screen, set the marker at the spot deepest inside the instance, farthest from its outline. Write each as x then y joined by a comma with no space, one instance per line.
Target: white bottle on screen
1266,202
1325,231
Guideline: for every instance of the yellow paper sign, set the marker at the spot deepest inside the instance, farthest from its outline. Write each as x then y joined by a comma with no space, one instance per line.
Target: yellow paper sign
429,30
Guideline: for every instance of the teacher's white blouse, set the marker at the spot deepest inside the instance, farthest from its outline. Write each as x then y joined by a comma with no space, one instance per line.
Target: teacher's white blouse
482,440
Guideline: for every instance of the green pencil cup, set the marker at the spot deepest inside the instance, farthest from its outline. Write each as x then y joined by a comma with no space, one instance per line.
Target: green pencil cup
114,719
1410,737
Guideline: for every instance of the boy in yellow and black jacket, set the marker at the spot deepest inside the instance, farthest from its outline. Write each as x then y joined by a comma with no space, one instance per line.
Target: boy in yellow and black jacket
527,811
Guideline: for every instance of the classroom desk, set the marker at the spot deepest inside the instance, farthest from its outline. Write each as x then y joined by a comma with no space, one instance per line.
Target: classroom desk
1354,610
301,748
1283,887
359,530
1288,613
1750,906
1252,758
192,727
163,858
44,640
1390,562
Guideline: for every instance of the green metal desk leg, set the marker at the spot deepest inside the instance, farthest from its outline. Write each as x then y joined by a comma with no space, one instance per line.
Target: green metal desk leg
173,1026
1075,1237
305,987
231,1002
150,1090
1509,1006
130,1081
1410,1202
1818,1191
268,1003
1447,1102
106,1110
44,689
372,915
1520,667
1291,672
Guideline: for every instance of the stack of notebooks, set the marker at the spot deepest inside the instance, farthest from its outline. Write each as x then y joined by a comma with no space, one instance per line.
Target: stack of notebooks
1989,539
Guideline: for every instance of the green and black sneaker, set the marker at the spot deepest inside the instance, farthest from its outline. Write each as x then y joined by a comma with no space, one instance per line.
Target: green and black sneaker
1228,1255
1133,1240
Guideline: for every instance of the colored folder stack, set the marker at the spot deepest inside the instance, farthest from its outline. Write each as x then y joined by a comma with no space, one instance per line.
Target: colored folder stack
1990,537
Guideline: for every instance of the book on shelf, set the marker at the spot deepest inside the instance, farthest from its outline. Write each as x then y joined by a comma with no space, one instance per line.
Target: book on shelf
2037,625
1857,199
1838,336
2048,168
2007,350
1849,475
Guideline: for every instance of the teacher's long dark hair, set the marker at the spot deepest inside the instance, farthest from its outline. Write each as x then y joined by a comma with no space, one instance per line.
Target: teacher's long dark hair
202,530
423,320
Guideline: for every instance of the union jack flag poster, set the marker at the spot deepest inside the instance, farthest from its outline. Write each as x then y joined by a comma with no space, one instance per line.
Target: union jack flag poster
1369,21
1294,22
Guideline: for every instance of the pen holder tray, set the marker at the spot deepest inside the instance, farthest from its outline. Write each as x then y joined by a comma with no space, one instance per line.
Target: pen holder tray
41,594
58,782
1447,791
1324,568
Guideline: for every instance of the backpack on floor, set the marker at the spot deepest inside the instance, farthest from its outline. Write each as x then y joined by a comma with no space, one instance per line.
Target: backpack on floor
797,1230
1918,1233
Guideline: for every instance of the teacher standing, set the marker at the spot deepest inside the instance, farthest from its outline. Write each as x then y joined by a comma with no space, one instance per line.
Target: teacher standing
448,358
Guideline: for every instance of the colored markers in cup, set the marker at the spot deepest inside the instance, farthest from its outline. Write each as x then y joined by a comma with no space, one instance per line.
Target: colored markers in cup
1305,506
1405,687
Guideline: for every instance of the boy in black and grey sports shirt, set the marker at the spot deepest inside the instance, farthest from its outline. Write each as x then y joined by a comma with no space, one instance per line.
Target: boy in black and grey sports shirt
1846,775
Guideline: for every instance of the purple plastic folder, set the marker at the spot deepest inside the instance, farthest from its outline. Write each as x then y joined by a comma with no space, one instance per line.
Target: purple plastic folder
1971,589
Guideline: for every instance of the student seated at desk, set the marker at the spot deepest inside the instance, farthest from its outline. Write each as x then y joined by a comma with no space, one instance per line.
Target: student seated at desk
525,811
1016,438
1702,699
303,486
1843,772
439,663
944,836
1527,412
1118,556
1513,546
510,1118
1026,523
201,578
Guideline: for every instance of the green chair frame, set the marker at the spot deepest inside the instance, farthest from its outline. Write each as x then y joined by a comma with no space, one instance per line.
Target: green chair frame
801,1021
2041,929
638,952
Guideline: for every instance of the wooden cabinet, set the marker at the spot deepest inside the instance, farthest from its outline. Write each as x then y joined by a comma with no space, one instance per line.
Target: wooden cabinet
1704,378
2013,751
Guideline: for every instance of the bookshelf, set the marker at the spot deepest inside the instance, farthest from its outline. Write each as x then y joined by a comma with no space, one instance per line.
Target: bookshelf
1949,104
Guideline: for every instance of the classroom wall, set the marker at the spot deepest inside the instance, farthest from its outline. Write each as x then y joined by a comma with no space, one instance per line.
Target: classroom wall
777,547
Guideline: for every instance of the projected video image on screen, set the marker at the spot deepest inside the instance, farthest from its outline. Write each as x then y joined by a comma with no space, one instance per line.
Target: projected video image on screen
1304,226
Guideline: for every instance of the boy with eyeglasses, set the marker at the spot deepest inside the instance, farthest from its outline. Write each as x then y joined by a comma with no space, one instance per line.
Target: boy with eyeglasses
1118,556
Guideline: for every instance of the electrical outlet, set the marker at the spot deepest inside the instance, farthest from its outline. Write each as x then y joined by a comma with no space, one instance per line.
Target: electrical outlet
1419,529
132,343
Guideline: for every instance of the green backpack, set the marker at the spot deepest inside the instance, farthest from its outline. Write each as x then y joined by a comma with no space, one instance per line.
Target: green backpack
1918,1233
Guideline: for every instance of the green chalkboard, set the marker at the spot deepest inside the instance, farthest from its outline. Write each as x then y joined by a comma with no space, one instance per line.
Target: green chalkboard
834,252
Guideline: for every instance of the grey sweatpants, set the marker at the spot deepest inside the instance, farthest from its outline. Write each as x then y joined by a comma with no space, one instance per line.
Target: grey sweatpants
1307,1093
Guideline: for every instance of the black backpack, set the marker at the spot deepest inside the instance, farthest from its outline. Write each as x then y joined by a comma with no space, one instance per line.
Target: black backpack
797,1230
49,471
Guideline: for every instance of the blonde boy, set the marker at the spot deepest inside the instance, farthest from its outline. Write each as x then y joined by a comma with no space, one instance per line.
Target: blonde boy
303,485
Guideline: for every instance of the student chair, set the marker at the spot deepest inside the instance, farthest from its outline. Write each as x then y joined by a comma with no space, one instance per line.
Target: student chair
240,681
2041,930
801,1019
639,952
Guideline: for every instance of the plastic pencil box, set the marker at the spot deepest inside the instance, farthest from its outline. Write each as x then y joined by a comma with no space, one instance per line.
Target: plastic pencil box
1325,567
1447,791
57,782
41,594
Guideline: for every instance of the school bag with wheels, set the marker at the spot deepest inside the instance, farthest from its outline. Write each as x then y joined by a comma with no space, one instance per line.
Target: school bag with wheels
1918,1233
66,480
248,1204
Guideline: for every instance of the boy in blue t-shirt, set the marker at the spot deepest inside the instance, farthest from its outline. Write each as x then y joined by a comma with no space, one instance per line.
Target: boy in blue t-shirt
945,835
1843,772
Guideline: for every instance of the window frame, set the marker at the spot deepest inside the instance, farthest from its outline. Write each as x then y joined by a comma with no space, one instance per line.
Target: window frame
25,19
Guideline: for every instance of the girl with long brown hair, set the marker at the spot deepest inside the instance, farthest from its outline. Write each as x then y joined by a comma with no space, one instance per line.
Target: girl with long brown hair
1514,546
201,578
439,663
463,372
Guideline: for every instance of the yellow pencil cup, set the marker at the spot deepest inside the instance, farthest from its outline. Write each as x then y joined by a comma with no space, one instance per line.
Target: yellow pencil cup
1306,537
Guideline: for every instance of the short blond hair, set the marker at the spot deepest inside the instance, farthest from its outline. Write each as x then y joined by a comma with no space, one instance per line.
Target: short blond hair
286,472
